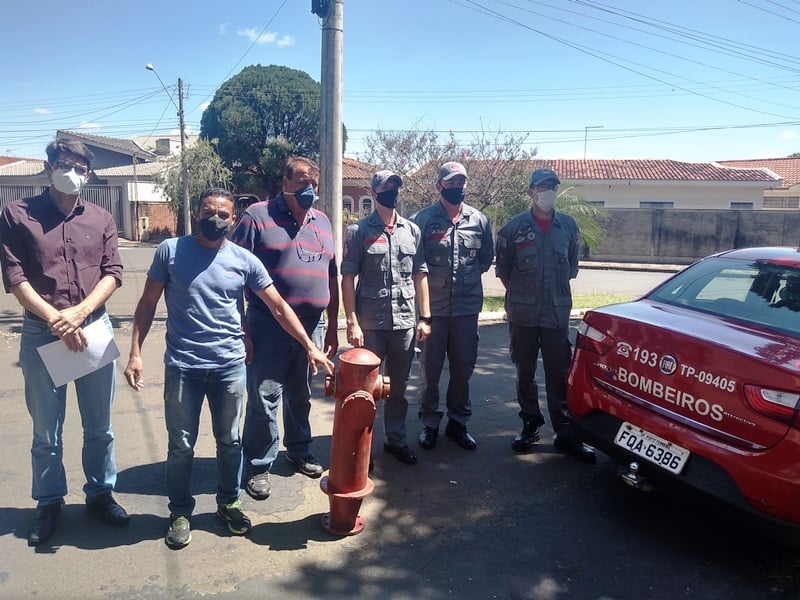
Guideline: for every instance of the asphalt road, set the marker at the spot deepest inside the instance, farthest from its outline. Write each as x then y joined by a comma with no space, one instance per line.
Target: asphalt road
482,524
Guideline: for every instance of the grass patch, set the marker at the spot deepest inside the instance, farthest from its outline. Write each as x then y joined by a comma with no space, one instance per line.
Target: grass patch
495,303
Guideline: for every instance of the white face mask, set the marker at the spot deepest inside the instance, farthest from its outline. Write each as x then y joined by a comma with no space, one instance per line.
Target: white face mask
546,200
68,181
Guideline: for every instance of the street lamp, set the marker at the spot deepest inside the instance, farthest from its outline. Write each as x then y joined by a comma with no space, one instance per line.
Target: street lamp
586,136
187,213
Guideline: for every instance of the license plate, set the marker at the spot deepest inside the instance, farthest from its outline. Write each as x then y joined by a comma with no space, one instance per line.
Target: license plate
652,448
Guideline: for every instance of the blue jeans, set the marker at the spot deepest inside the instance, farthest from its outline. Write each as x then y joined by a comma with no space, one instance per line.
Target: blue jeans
184,393
47,407
279,372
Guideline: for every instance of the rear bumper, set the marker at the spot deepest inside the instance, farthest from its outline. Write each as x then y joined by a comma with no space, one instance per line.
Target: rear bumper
767,482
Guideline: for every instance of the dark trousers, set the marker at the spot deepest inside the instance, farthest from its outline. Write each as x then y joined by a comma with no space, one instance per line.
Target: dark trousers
457,339
525,344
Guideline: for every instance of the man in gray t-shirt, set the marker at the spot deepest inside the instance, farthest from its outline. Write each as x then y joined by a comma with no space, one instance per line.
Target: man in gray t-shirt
203,278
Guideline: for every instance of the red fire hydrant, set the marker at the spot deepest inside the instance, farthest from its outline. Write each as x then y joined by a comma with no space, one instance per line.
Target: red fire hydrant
356,386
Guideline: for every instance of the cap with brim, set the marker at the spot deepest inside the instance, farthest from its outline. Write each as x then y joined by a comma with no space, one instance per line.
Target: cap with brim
541,175
385,176
450,169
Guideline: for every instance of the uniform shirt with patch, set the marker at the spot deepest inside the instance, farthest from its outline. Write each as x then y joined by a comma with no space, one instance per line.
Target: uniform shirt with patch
457,254
537,268
384,264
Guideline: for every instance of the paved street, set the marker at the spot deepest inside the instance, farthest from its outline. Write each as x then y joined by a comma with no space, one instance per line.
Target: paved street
483,524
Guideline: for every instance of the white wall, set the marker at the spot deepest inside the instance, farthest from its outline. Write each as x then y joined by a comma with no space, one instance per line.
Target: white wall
683,195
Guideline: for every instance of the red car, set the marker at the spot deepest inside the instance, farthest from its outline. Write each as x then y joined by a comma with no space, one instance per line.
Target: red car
699,380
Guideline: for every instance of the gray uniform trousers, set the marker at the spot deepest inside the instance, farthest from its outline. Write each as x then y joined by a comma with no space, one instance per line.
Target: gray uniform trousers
396,350
455,338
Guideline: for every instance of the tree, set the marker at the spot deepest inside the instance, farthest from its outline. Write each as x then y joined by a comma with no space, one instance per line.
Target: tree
261,115
498,166
204,168
495,162
586,215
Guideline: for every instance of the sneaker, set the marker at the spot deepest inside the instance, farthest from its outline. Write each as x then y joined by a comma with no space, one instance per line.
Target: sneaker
238,523
180,531
527,438
307,465
259,486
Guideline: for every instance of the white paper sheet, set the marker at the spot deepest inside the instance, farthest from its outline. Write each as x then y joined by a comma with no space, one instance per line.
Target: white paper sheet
65,366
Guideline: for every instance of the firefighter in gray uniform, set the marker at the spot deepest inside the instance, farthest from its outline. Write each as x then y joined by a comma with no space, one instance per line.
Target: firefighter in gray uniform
385,252
458,249
537,255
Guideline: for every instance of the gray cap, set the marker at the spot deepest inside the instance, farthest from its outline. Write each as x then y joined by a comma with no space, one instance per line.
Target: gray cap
385,176
450,169
540,175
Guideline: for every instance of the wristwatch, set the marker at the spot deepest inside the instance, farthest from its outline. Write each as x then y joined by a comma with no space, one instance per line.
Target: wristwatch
427,320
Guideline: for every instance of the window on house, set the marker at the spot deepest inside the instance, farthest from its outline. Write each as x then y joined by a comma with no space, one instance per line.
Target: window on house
347,204
784,202
656,205
366,206
741,205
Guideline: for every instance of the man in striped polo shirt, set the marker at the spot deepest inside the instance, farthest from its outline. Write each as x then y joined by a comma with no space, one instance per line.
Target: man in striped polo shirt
295,243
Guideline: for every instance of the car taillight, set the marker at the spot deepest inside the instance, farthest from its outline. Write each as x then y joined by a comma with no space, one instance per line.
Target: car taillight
776,404
592,339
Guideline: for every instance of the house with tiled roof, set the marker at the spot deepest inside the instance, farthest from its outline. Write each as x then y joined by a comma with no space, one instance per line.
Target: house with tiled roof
356,180
121,182
788,195
109,151
664,183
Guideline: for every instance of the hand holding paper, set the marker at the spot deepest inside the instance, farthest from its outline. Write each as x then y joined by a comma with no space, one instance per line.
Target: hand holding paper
65,365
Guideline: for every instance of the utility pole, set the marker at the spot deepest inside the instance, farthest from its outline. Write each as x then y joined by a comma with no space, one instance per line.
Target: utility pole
187,209
586,136
332,13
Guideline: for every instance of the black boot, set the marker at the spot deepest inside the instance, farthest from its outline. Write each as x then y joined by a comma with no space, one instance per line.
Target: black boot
527,438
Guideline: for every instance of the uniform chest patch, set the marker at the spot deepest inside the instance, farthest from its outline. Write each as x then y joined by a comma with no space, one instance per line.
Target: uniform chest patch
525,238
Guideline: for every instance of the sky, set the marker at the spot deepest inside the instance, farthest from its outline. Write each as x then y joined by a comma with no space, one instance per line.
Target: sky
687,80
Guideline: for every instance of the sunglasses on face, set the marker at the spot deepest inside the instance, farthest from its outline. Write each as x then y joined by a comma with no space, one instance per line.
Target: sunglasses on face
79,169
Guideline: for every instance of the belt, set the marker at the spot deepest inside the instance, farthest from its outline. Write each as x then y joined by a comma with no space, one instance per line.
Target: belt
90,319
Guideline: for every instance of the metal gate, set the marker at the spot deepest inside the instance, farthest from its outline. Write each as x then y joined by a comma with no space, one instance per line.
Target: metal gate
109,197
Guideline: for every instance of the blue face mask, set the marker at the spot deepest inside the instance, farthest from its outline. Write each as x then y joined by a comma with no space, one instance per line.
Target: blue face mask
306,197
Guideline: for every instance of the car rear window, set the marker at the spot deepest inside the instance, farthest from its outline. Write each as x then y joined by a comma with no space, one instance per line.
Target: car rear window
760,293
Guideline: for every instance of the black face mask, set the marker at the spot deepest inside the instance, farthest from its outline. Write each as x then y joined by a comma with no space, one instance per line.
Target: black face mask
387,198
214,228
453,195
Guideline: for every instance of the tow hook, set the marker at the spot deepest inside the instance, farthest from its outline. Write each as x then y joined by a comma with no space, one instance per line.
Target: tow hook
633,478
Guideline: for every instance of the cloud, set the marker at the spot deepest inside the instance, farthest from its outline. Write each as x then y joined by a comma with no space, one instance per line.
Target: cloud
204,106
89,125
222,28
267,37
42,111
788,135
